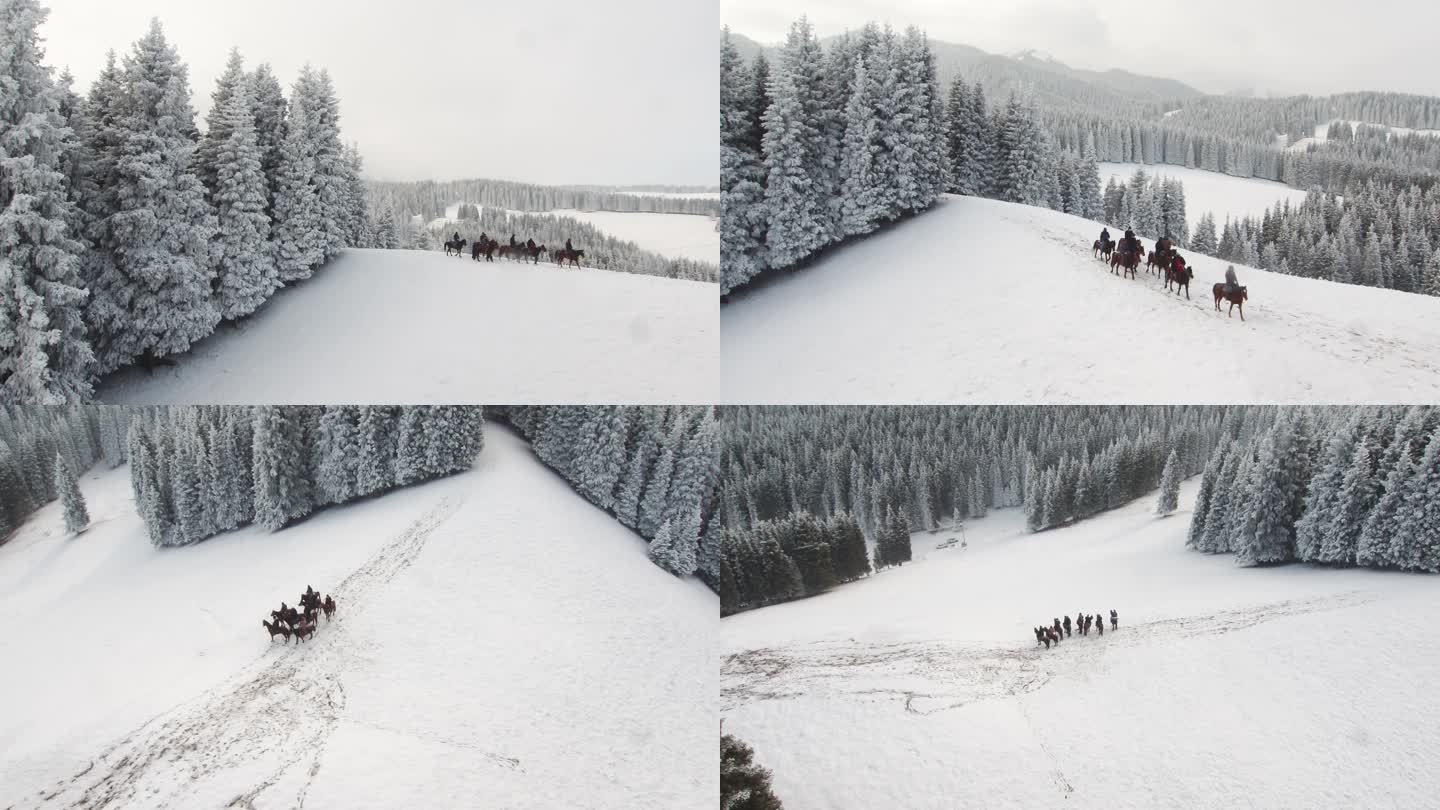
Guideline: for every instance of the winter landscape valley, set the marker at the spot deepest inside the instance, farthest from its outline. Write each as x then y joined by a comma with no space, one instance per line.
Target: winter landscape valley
894,582
923,687
980,300
497,640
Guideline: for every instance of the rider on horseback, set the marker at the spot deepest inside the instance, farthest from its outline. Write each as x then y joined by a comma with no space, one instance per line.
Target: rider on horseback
1128,244
568,249
1232,282
1104,236
530,243
512,240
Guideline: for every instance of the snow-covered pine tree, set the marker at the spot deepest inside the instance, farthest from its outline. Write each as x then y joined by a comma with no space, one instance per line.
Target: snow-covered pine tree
244,263
654,503
331,179
1416,546
71,499
962,139
1339,540
283,490
859,213
153,297
45,353
218,124
798,215
269,107
297,230
671,551
1169,486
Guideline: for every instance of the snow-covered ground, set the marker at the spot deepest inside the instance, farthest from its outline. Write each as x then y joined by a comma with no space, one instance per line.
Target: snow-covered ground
498,643
1220,194
674,236
985,301
922,687
412,327
679,195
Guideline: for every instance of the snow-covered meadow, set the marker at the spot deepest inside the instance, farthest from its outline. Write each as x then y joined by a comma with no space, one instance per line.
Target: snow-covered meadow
1220,194
499,642
416,327
922,686
984,301
674,236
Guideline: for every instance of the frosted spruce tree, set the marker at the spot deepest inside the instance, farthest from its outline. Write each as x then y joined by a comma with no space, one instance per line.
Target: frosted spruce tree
71,499
1169,486
45,353
332,182
283,490
297,231
671,550
858,211
153,296
798,215
269,106
244,263
218,124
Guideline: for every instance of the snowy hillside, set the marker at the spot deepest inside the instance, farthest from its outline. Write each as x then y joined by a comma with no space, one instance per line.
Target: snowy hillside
675,236
498,643
416,327
922,687
984,301
1220,194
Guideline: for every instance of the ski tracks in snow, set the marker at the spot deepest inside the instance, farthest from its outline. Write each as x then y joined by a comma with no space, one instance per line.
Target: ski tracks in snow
926,677
275,716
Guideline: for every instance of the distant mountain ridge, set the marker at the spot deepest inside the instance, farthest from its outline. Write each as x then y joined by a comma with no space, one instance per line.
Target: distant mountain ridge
1053,83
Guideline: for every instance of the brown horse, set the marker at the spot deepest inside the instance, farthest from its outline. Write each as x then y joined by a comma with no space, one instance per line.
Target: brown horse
1128,261
1159,262
1236,298
1180,278
1103,249
277,629
562,255
329,607
533,254
304,630
458,247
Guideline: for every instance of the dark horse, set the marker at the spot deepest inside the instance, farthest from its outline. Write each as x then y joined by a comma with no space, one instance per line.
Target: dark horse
1180,278
457,247
329,607
533,254
303,630
484,247
1103,249
563,255
1159,261
277,629
1127,260
1237,298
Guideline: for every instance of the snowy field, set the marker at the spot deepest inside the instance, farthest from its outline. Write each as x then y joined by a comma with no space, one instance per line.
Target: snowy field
922,687
1220,194
678,195
498,643
674,236
413,327
980,301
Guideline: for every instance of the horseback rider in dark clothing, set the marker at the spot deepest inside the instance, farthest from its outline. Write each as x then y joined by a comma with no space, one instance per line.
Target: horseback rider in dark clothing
456,238
530,243
1099,624
1128,243
1232,282
1104,237
1114,620
512,240
568,249
1067,625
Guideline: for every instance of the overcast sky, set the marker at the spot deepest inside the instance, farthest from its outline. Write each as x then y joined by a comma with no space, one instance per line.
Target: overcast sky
547,91
1279,46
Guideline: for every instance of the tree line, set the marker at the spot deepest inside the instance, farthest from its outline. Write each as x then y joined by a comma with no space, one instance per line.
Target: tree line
199,471
1153,206
430,199
129,234
1341,486
45,450
893,470
653,468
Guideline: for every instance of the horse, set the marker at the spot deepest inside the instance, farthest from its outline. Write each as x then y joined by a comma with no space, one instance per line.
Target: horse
1129,261
484,247
458,247
1158,262
532,253
277,629
1103,249
329,607
1237,298
1179,279
306,629
562,255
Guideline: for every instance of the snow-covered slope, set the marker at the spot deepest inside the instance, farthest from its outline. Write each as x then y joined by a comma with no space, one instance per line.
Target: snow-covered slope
984,301
499,643
1220,194
411,327
922,687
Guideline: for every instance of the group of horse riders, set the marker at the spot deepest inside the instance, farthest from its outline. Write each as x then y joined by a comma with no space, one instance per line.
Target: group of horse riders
529,243
1165,248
